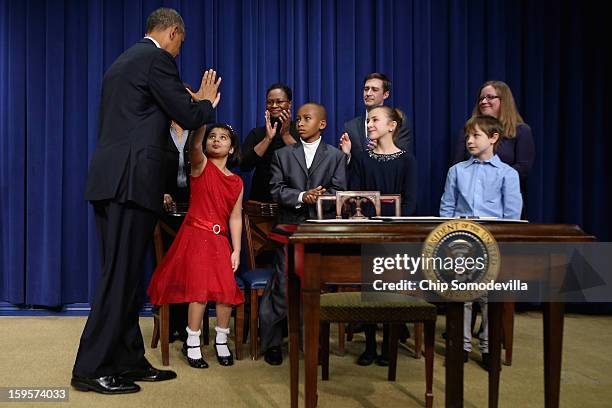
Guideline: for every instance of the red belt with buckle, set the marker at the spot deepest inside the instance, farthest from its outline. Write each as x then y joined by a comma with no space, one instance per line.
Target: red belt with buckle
205,225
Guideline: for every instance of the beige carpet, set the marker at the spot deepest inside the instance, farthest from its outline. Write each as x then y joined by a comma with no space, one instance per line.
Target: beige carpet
39,352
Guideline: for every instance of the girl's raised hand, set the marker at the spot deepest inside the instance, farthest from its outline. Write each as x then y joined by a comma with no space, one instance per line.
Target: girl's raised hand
345,144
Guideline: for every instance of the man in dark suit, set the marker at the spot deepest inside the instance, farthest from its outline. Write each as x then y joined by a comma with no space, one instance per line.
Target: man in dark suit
141,91
300,173
376,88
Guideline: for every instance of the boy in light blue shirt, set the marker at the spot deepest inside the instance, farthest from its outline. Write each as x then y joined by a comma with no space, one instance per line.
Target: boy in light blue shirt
482,186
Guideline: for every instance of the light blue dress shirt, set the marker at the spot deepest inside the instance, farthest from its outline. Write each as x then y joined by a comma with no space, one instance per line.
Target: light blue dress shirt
482,189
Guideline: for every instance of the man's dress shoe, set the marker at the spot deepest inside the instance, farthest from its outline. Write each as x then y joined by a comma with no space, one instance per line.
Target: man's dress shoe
110,384
150,374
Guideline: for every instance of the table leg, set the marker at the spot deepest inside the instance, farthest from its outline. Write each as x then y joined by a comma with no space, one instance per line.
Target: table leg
553,345
454,355
508,331
293,304
495,328
312,299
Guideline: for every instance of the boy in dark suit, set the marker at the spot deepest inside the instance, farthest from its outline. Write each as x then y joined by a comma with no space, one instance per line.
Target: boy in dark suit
300,173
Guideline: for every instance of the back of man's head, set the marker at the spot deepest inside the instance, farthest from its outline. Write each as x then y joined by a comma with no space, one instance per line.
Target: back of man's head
377,75
163,18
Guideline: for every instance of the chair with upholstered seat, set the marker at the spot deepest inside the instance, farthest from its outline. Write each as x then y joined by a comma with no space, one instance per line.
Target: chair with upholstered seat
342,200
258,219
394,309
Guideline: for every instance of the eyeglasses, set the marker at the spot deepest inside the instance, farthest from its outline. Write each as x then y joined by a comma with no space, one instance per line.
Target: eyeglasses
271,102
489,98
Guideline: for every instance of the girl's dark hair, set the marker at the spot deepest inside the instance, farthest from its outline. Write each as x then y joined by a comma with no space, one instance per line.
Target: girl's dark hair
234,158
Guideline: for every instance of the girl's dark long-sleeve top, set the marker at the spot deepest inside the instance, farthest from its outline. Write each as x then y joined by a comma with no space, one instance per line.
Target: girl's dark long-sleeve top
388,173
260,182
518,152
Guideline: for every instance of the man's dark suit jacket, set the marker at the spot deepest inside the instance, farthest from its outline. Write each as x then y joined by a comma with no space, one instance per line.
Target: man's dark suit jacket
141,91
290,177
356,131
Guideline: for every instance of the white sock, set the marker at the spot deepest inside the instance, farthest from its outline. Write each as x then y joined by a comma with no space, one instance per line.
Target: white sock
193,339
221,338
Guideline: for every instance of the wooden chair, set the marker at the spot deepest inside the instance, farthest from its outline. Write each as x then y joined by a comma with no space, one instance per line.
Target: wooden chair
349,307
341,198
161,318
258,219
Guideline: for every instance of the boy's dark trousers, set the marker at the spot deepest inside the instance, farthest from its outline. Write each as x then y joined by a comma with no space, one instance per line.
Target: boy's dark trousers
273,307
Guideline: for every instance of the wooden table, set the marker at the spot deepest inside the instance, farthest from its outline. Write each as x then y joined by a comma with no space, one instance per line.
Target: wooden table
330,253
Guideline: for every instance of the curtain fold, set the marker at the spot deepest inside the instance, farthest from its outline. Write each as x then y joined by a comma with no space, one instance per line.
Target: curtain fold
54,54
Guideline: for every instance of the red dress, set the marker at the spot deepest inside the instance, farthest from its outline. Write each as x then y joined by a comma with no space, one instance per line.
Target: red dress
197,267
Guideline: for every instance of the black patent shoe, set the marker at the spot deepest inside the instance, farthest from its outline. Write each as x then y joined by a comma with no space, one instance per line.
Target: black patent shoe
225,360
194,362
110,384
366,358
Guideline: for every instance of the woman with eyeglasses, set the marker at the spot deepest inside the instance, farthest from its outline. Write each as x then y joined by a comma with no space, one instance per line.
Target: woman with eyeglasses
516,148
259,146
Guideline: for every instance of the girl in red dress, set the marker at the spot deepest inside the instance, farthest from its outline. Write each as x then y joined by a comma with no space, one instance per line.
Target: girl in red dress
200,264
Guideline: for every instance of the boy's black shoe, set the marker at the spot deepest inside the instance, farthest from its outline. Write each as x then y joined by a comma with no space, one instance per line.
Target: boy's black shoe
466,356
274,355
486,361
383,360
366,358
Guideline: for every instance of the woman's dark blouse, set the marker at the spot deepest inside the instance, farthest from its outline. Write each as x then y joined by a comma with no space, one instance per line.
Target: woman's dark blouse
388,173
260,182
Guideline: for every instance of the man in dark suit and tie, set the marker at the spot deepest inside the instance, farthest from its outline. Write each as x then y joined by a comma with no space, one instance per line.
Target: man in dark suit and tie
376,88
300,173
141,91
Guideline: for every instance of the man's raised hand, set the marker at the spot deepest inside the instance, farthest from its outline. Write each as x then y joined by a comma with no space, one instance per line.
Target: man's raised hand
209,88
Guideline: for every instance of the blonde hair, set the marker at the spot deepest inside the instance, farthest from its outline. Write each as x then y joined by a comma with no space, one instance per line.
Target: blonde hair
508,114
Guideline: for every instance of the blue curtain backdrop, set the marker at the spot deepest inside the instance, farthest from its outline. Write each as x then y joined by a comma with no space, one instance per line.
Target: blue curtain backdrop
53,55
